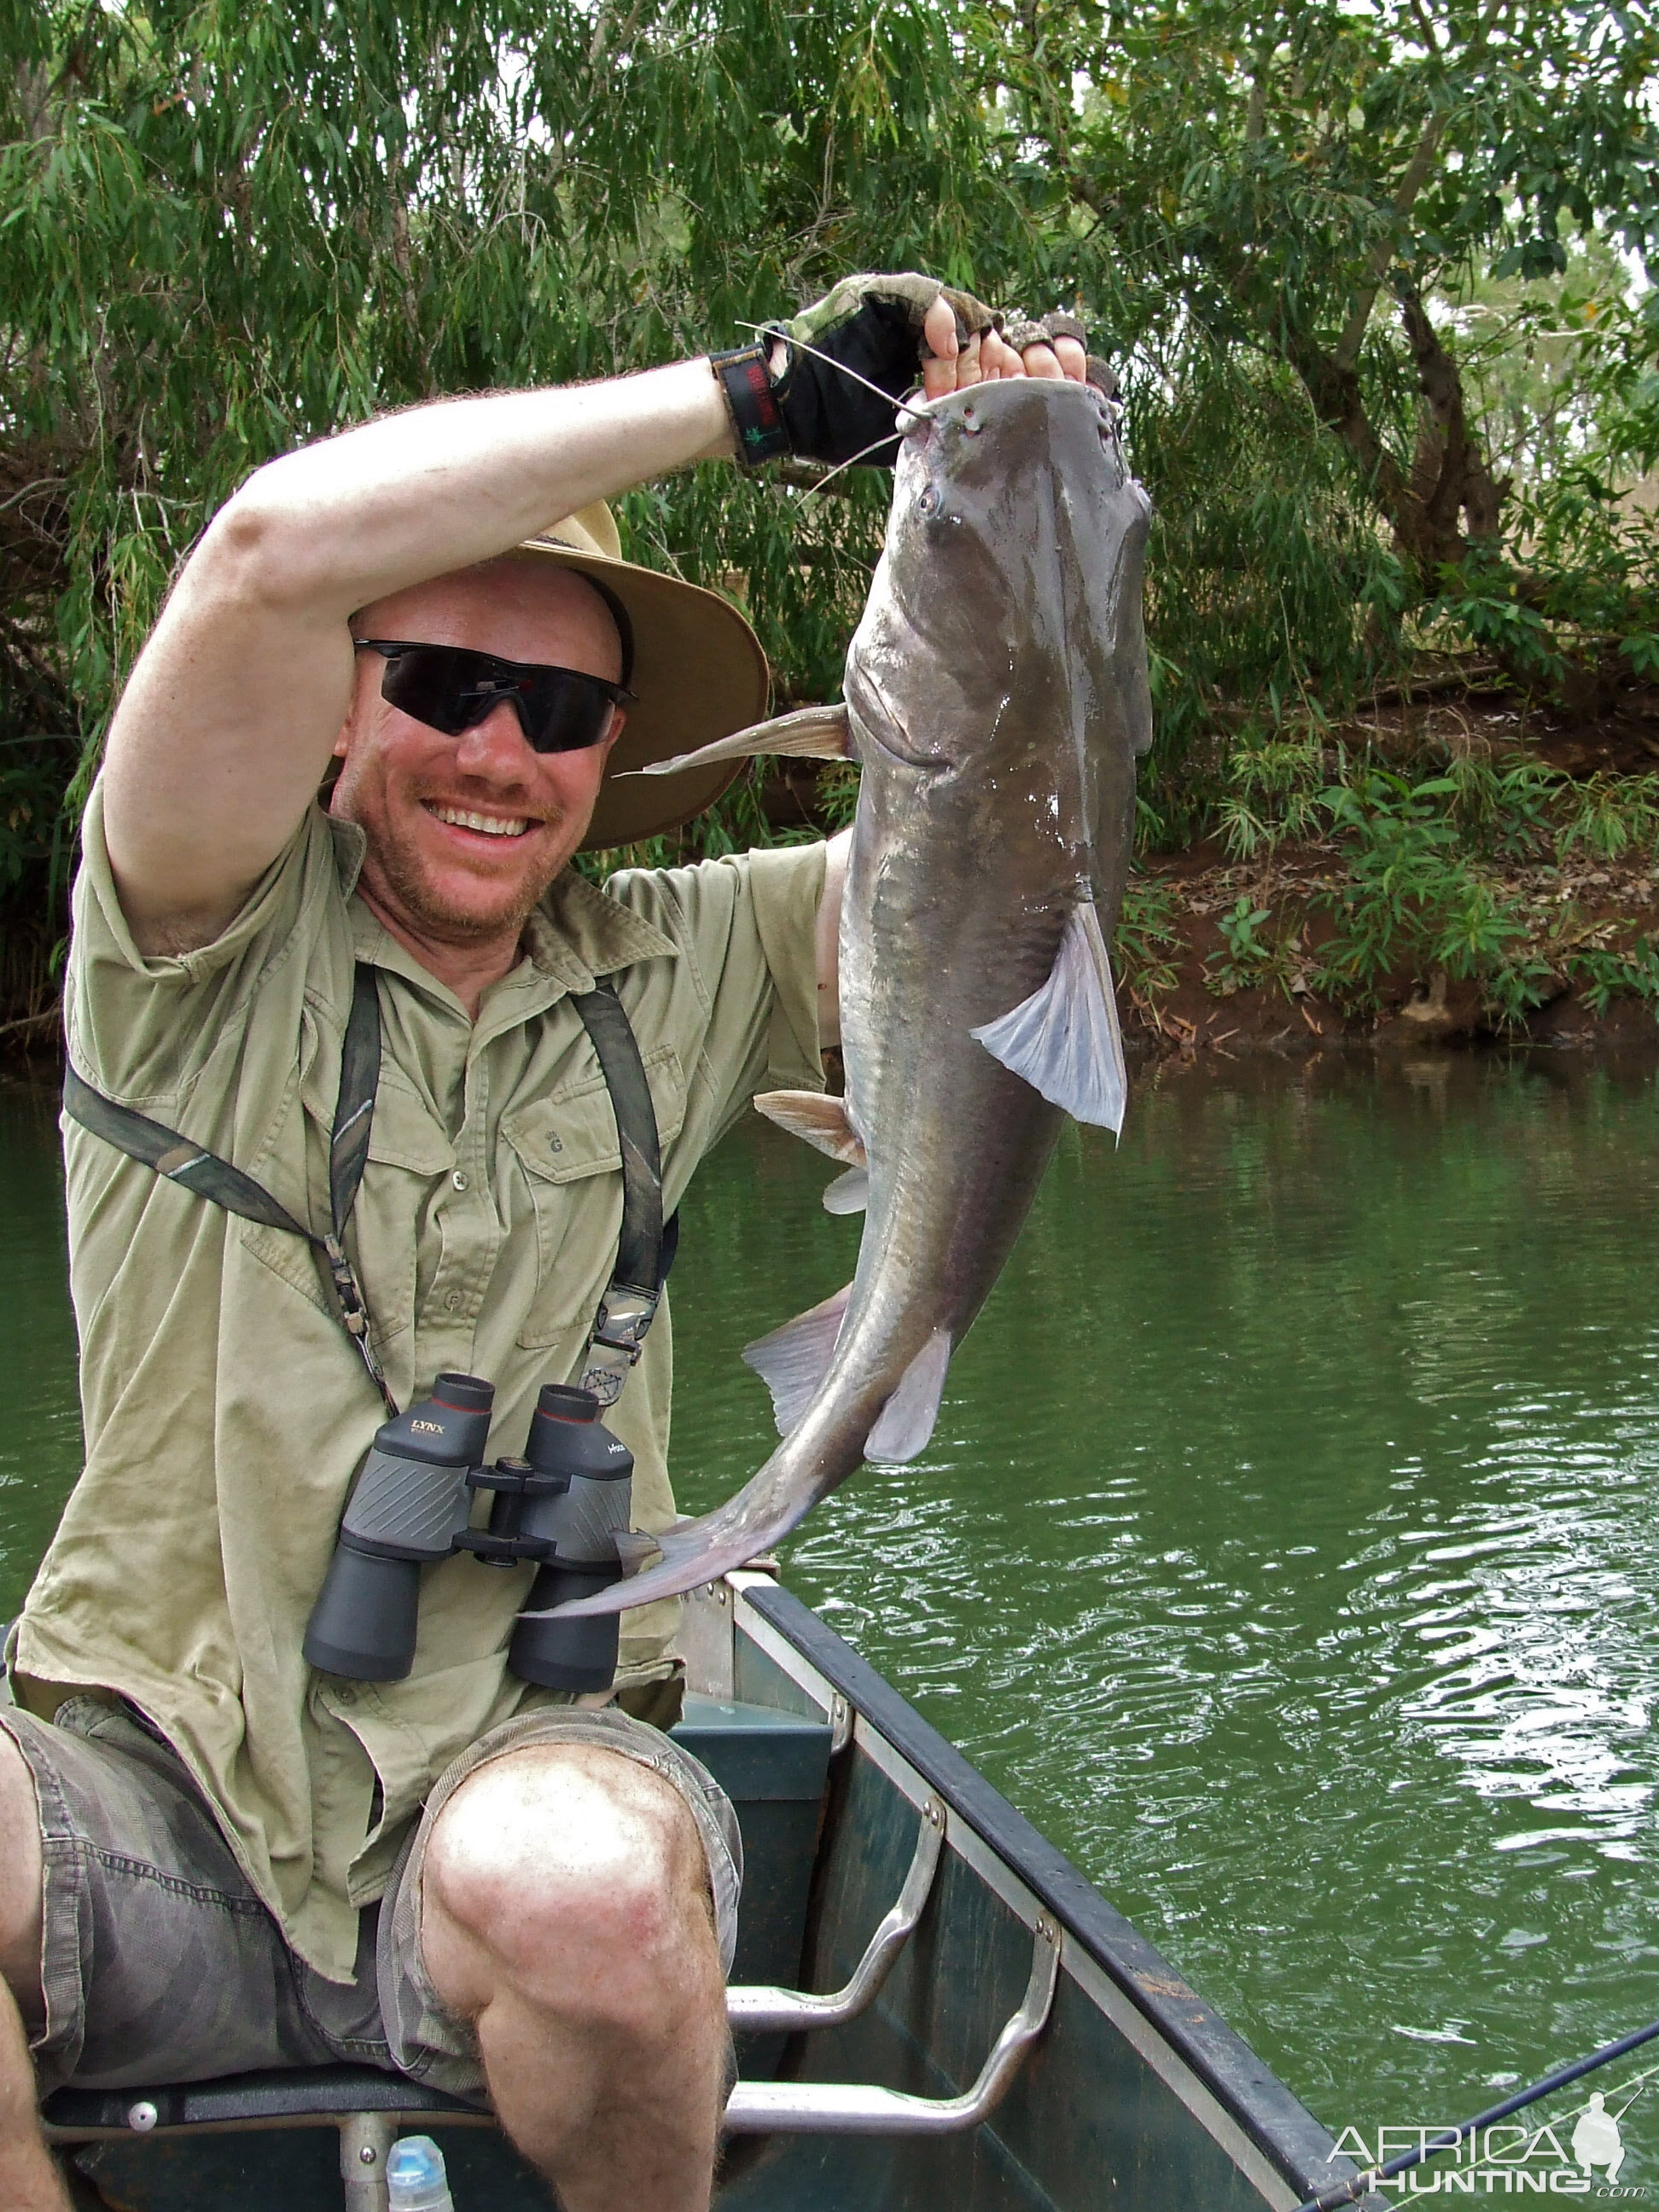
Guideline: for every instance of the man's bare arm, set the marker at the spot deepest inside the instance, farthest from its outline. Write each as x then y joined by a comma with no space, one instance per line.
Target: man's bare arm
227,722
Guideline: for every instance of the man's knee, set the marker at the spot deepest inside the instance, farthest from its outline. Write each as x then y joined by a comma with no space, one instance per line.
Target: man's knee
575,1874
19,1878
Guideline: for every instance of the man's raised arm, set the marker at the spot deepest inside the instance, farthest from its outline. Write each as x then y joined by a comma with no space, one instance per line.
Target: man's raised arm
227,724
228,720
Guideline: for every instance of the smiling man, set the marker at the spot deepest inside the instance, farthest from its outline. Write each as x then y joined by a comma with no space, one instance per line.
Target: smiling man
214,1857
464,831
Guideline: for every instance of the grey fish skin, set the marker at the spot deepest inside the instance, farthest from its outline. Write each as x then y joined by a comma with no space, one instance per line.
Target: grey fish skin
997,694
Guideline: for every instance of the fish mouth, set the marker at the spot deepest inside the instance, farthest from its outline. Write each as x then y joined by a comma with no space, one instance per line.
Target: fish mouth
880,726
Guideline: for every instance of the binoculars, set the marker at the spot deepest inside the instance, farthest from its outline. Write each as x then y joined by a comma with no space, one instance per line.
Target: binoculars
562,1506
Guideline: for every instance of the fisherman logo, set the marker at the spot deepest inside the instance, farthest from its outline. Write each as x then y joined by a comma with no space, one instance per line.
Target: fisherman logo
1508,2160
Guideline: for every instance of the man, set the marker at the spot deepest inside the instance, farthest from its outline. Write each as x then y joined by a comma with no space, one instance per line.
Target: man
211,1857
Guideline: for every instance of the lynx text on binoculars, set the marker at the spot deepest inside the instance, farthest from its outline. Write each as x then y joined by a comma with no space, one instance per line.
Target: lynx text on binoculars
1567,2158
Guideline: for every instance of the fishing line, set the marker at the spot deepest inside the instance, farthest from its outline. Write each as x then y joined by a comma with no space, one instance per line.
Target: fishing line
892,438
1629,2101
1350,2192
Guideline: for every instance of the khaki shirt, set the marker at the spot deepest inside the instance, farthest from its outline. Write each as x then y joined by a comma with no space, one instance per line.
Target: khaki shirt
225,1410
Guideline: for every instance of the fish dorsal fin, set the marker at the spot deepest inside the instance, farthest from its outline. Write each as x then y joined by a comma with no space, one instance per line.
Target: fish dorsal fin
811,733
820,1119
1064,1040
795,1359
848,1194
906,1421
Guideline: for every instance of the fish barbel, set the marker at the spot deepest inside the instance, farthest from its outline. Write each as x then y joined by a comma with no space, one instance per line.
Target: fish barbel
996,699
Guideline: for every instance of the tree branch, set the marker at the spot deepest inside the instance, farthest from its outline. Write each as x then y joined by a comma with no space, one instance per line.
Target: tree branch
1451,478
1255,121
1416,176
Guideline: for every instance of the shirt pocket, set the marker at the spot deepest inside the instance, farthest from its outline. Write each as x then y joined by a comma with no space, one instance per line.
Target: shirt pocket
396,1233
566,1146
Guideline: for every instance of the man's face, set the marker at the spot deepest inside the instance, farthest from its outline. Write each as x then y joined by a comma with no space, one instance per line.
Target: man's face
466,833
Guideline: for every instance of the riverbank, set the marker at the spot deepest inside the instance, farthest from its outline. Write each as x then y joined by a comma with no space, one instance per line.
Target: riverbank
1458,865
1187,984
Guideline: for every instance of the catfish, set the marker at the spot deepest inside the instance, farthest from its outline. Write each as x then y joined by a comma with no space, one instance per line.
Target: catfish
996,699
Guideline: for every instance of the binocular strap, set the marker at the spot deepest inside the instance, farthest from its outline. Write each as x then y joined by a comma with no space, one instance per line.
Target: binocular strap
205,1175
629,1304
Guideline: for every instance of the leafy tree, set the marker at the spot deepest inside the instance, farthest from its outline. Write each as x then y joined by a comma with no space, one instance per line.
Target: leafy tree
224,230
1298,180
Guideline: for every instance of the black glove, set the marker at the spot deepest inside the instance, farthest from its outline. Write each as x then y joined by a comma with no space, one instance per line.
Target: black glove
869,326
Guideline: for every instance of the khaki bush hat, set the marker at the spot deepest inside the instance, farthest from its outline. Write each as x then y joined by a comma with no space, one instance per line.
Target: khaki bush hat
699,673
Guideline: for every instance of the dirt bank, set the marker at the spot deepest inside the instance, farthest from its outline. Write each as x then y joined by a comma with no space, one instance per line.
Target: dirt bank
1584,919
1203,1008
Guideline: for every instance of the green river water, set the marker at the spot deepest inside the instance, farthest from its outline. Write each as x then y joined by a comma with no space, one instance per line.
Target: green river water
1288,1548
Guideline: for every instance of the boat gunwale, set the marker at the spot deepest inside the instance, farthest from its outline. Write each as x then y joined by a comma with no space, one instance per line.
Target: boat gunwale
1270,2117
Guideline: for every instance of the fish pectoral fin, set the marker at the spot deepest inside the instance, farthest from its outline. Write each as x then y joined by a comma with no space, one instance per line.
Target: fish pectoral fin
848,1194
795,1359
906,1421
637,1551
811,733
1064,1040
820,1119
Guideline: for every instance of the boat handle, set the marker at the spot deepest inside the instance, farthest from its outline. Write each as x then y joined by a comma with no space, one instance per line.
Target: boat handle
853,2108
762,2009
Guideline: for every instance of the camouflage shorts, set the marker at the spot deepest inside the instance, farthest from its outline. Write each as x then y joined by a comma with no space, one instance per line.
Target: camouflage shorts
158,1964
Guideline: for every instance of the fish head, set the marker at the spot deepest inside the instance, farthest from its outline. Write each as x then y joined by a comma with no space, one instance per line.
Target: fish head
1001,644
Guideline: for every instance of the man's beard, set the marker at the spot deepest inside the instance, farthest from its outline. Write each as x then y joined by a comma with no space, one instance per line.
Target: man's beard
397,861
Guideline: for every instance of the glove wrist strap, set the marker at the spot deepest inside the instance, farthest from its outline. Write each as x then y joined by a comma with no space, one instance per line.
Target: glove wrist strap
746,387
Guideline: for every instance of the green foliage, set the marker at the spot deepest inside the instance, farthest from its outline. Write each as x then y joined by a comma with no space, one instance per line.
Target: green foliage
1356,268
1609,815
1483,600
1505,809
1272,794
1413,901
1147,938
1248,957
1602,974
1267,586
1418,897
1329,193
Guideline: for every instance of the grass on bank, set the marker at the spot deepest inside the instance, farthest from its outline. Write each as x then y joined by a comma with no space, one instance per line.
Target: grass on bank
1484,869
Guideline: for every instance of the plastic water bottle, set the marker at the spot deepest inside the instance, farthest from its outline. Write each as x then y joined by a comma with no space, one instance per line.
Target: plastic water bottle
415,2177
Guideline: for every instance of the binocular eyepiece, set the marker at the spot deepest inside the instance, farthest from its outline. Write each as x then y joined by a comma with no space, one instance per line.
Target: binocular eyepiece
563,1505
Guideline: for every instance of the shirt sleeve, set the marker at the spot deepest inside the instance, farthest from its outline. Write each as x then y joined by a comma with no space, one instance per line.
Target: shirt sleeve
741,1000
143,1026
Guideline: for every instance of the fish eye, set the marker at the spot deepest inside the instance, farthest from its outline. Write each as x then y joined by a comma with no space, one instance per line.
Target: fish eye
928,502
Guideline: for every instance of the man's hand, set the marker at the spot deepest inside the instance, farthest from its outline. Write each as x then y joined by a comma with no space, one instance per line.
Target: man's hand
953,367
840,369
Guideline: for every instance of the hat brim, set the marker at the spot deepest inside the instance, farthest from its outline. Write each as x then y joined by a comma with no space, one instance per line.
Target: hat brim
699,673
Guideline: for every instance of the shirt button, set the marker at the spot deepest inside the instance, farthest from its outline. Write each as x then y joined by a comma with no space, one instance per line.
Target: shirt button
459,1179
345,1695
452,1302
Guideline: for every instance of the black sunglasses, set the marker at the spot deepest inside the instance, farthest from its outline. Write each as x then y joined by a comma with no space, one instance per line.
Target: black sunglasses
452,688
